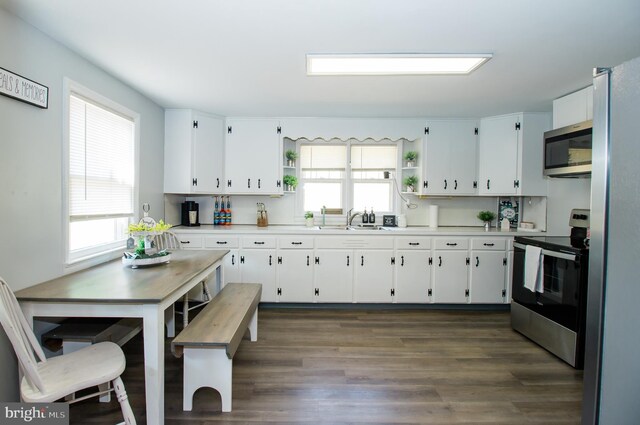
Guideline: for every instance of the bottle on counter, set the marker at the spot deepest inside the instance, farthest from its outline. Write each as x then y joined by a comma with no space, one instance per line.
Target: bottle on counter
216,212
372,217
365,217
222,214
228,219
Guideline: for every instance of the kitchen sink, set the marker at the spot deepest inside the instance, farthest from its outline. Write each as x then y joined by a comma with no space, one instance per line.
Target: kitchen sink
356,228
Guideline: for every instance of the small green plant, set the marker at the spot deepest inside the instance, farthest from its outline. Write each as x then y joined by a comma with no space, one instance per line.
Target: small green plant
486,216
291,155
308,214
410,156
410,182
290,180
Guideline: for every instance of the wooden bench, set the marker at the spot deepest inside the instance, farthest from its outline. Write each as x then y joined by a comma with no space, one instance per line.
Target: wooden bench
210,340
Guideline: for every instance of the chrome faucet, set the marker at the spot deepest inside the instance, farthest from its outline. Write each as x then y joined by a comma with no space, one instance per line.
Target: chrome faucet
350,216
323,210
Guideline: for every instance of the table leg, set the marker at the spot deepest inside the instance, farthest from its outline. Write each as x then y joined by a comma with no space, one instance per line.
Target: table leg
170,321
153,328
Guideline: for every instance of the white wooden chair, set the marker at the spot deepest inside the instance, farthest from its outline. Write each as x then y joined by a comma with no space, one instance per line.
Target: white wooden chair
47,380
169,241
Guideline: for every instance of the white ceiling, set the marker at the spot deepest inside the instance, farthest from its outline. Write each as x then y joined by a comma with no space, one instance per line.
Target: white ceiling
247,58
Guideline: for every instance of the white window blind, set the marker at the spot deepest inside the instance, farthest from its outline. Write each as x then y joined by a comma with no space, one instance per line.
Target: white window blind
322,176
101,162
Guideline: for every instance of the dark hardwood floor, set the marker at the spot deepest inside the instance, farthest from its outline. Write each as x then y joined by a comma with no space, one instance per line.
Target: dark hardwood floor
380,367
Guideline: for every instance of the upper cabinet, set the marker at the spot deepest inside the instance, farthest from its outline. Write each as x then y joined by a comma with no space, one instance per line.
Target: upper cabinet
253,152
511,156
449,157
573,108
193,152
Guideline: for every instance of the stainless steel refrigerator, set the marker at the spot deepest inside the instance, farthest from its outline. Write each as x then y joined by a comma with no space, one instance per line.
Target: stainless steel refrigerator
612,361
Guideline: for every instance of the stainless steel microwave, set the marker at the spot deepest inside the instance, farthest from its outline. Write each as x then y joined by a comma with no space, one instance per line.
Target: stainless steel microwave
567,151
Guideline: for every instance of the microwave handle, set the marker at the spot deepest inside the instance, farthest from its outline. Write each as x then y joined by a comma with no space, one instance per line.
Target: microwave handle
570,257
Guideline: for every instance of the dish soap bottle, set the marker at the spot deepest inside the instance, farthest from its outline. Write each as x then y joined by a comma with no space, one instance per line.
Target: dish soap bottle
372,217
365,217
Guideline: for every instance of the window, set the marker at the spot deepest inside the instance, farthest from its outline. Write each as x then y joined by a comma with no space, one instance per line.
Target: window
101,189
322,172
346,175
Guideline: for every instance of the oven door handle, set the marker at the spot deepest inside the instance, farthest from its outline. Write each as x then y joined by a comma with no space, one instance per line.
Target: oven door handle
570,257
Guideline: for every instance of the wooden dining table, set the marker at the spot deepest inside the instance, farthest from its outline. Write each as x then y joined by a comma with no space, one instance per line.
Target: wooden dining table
113,290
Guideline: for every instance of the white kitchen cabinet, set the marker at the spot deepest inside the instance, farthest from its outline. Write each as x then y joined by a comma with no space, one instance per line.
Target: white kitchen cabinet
253,152
450,270
333,276
450,161
573,108
413,269
511,155
487,282
373,279
258,258
193,152
231,263
295,275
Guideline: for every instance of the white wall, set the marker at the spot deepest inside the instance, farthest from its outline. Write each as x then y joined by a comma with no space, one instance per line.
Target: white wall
563,195
30,161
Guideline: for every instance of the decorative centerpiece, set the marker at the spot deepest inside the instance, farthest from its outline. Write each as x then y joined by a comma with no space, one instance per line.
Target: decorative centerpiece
487,217
141,248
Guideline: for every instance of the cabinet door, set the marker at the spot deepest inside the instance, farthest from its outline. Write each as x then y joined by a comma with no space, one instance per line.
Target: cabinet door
464,160
413,276
295,275
231,267
487,284
373,281
450,277
498,155
208,154
178,151
252,157
437,168
259,266
333,276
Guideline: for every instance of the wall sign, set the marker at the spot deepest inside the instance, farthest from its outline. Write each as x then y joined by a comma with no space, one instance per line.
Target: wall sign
23,89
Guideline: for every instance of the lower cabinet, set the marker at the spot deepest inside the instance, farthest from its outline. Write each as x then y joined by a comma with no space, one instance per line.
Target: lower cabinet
295,276
367,269
333,276
373,279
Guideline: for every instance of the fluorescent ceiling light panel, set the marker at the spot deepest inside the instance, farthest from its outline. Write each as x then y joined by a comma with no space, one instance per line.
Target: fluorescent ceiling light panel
394,64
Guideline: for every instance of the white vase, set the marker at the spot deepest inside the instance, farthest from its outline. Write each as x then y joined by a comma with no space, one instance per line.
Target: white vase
309,221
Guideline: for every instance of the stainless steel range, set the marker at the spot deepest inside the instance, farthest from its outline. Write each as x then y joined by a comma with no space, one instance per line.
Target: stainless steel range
553,314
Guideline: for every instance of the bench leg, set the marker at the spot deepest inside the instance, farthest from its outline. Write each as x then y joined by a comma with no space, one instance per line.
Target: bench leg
253,326
207,367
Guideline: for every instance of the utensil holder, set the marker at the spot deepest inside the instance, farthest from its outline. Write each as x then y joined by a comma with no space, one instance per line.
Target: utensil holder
263,221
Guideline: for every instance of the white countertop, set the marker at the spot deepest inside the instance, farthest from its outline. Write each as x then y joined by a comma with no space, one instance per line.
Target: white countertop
333,230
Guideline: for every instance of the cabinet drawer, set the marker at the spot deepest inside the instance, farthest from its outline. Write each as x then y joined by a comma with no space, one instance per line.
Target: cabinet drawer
413,243
258,242
451,243
221,242
189,241
295,242
339,242
493,244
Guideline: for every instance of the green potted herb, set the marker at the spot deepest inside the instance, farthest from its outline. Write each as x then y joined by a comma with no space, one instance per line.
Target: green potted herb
290,183
487,217
308,218
411,157
291,156
410,183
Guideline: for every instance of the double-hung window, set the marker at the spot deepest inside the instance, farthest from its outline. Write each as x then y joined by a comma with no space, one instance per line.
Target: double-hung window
347,174
101,175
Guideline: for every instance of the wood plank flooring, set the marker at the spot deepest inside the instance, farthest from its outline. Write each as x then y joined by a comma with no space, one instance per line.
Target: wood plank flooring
341,367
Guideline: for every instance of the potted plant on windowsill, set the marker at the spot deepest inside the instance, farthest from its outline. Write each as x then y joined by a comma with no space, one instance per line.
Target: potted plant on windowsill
410,183
487,217
290,183
410,157
291,156
308,218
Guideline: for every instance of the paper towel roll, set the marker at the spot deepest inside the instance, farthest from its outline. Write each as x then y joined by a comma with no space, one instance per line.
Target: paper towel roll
433,216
